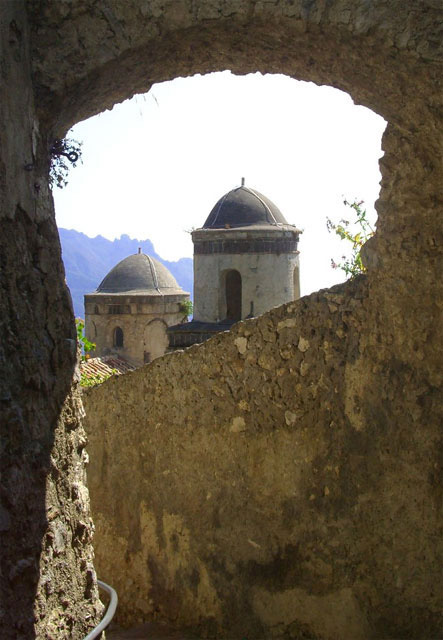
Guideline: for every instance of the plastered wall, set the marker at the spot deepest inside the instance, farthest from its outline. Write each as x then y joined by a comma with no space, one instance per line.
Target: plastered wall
267,281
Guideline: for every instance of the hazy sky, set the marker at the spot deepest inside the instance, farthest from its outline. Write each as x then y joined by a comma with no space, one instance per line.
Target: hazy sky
154,166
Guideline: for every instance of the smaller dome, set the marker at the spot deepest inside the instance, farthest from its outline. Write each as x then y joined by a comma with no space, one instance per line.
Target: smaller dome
139,273
244,207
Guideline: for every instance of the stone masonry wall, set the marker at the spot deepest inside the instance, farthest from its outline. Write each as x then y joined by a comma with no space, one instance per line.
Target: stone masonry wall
47,582
66,602
280,480
89,54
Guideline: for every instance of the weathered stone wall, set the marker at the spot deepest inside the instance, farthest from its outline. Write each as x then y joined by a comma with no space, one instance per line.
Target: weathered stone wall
47,583
88,55
81,56
280,480
66,602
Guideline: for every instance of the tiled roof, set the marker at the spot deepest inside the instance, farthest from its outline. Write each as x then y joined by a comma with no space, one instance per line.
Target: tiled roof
106,366
196,326
194,332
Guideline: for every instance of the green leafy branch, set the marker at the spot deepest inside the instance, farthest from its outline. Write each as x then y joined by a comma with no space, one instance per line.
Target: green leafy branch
94,380
186,307
356,233
85,345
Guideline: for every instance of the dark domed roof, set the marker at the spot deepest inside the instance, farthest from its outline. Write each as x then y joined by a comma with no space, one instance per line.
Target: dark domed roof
139,273
243,207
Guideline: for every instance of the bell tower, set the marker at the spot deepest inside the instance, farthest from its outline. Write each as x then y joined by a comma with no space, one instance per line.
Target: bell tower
246,261
246,258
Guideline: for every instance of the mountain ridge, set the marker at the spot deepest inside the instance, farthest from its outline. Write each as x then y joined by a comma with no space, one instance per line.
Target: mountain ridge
88,260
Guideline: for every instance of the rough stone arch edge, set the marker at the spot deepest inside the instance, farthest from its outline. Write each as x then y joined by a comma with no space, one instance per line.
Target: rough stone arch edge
298,45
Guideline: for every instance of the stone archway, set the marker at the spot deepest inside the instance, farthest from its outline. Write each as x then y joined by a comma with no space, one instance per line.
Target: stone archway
384,58
66,61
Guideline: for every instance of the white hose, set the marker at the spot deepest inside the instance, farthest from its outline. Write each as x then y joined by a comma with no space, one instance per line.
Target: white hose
109,613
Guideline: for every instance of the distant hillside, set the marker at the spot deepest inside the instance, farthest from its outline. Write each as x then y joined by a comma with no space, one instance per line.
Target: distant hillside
88,260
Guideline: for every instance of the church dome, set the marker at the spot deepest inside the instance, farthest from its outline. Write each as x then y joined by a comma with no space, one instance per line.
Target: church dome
244,207
139,273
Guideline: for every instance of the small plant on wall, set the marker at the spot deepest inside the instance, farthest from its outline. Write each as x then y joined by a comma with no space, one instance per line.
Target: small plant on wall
186,308
85,345
356,232
65,153
94,380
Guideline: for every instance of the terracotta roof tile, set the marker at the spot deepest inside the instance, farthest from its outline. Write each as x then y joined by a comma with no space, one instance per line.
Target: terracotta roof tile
105,367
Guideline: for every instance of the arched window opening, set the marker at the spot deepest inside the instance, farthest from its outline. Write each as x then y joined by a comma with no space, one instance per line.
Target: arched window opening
96,310
233,295
118,337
